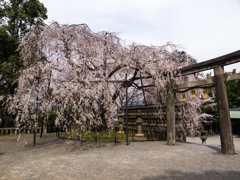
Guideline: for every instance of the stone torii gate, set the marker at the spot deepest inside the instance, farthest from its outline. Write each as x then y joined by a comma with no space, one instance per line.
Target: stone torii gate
219,79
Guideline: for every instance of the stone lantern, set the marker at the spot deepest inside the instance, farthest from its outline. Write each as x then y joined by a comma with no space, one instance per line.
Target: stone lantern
121,121
139,121
203,136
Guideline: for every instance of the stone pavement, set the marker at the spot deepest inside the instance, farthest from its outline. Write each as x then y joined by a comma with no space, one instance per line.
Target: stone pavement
54,158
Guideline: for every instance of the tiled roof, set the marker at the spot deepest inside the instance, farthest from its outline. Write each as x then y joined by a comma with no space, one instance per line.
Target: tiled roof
234,109
235,114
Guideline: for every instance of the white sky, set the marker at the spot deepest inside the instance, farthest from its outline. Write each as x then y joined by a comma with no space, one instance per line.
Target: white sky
206,28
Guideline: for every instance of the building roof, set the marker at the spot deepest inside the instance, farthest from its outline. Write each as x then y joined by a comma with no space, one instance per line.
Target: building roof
234,109
235,114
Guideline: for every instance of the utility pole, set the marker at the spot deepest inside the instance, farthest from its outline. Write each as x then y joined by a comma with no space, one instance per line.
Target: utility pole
126,112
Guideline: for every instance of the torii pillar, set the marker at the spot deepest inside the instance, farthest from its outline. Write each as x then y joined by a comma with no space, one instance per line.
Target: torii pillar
171,115
225,126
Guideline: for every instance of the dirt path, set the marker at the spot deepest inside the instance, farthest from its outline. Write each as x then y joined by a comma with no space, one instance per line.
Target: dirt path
54,158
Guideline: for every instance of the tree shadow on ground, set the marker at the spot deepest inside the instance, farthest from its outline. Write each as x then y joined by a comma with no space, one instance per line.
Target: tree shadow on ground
214,147
207,175
50,141
236,136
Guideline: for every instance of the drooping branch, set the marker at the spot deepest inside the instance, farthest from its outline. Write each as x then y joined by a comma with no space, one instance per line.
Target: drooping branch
84,67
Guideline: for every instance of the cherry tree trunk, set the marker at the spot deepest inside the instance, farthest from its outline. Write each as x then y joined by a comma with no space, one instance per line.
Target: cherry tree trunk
225,126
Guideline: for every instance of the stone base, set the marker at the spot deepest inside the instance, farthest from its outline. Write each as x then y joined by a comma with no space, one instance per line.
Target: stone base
120,132
140,137
203,141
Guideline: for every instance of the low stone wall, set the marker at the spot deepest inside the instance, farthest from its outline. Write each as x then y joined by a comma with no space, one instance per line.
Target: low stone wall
16,131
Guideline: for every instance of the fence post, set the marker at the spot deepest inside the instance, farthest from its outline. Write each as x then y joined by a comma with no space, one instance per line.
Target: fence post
96,139
115,139
81,137
171,115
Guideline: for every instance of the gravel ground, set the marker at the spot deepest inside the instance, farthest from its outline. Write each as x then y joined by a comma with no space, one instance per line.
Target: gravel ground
54,158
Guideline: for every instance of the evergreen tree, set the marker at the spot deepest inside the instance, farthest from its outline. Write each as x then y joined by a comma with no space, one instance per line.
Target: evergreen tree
17,18
233,91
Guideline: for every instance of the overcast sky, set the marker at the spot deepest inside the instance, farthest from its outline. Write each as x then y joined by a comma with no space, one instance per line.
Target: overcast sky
206,28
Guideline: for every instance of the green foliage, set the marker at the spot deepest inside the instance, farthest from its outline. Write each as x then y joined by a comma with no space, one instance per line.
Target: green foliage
10,62
16,18
182,56
7,119
51,121
22,14
233,91
101,137
210,110
1,11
